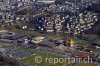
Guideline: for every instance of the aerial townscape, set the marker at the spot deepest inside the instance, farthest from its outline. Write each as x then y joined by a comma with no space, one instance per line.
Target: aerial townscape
49,29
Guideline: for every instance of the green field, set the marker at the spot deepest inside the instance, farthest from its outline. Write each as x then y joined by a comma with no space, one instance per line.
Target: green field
81,41
44,55
27,32
31,60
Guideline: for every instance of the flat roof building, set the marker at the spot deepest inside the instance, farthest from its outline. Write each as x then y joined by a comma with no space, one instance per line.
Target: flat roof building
45,1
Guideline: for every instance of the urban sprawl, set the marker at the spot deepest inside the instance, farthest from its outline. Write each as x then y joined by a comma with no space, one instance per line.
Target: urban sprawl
48,28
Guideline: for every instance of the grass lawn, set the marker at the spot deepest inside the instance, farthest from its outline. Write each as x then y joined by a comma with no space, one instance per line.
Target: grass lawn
27,32
7,46
25,50
31,60
80,41
93,49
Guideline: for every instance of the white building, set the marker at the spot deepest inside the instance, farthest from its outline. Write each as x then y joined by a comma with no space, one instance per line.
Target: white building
45,1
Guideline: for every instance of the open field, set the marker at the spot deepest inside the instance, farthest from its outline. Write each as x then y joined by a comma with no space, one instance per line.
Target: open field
31,60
